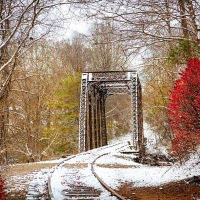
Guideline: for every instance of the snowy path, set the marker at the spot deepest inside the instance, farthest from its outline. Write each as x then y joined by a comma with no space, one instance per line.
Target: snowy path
77,173
116,169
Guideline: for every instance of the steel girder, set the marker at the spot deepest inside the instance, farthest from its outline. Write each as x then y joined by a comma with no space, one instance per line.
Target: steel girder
82,115
95,88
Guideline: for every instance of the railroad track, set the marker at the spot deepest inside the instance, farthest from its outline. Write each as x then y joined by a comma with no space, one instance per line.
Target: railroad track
79,190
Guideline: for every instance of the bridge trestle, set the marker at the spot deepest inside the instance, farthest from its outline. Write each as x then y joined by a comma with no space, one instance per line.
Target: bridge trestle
95,88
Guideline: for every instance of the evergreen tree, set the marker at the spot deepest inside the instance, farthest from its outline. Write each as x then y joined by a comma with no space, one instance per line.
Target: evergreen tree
66,114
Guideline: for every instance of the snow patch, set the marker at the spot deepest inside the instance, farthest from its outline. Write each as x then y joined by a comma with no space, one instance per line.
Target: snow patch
137,174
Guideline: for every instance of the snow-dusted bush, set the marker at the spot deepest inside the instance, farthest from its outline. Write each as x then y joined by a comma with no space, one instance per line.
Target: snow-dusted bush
2,189
184,110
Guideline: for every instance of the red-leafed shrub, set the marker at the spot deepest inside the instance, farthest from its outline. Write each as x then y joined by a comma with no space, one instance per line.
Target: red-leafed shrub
2,189
184,110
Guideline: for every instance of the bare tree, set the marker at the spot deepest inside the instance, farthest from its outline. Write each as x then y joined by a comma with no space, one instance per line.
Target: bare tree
141,24
107,53
75,53
31,89
33,127
22,23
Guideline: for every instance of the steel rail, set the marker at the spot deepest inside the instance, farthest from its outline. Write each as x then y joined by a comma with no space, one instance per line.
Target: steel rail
50,192
102,182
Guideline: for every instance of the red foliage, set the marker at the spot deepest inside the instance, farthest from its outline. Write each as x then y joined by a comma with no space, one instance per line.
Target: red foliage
184,110
3,194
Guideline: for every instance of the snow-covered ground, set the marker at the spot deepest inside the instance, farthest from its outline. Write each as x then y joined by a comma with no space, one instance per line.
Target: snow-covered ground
129,171
107,167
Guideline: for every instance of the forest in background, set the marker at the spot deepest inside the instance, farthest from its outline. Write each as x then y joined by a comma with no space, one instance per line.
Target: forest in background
40,74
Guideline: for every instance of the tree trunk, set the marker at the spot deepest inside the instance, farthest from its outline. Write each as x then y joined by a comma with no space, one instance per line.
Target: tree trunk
184,24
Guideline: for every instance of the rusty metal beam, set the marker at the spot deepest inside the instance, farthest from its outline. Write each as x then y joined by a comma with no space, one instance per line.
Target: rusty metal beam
98,122
90,120
103,117
95,117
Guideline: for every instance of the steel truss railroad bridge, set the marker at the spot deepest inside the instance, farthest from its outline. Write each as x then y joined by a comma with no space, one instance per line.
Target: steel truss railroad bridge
95,88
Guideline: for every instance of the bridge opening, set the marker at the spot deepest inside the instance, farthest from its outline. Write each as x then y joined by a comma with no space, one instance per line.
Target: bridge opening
96,87
118,116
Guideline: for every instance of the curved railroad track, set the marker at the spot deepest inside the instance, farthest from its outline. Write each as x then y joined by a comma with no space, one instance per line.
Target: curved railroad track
79,190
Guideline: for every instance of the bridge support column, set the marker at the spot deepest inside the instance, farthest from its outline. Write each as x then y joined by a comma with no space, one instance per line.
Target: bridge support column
95,117
137,116
83,115
98,121
90,120
103,117
133,91
140,119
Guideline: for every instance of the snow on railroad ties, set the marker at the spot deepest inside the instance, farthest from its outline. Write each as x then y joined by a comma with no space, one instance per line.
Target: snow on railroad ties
116,168
88,157
70,177
143,175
